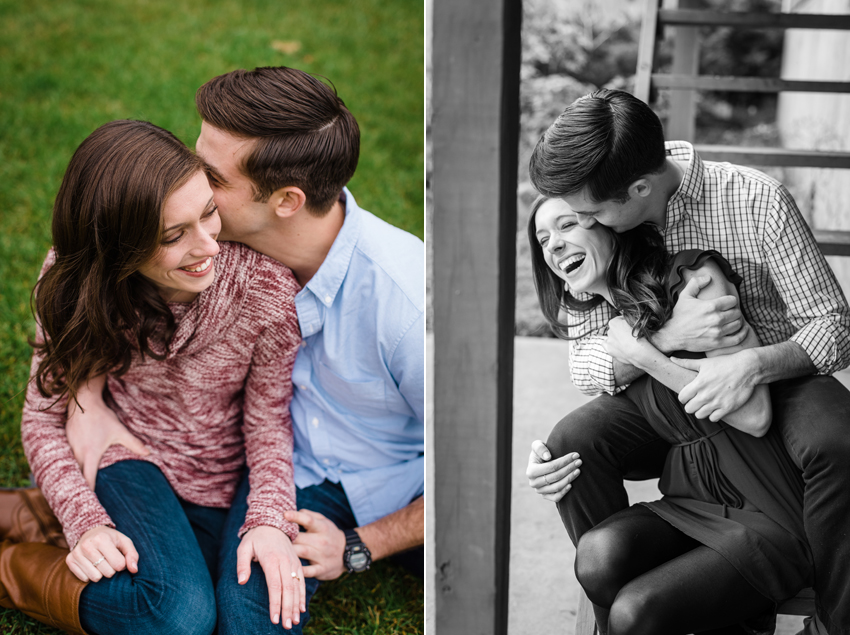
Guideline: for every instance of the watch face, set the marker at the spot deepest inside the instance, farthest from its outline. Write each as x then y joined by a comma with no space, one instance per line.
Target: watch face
357,561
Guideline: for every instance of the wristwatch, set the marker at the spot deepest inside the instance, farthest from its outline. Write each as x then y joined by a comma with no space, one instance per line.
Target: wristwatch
356,557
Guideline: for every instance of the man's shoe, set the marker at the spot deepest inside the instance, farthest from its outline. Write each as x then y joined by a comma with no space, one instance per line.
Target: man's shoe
35,580
26,517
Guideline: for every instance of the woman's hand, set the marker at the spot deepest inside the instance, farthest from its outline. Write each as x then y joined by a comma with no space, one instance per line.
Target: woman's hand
552,479
284,577
100,553
90,433
625,347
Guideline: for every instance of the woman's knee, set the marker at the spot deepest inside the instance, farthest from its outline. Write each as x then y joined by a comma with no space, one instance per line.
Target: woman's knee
145,606
601,559
636,612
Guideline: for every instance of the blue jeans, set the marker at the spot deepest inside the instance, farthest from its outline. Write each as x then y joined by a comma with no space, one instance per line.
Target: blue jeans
173,592
244,608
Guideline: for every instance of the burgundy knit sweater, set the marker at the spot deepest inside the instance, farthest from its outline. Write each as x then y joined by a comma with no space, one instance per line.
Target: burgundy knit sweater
222,395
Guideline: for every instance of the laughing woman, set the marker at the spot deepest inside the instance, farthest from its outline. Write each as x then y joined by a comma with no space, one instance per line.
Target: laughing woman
725,544
197,342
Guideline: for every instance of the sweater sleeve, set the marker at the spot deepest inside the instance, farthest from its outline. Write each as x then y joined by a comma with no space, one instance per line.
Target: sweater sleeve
53,464
267,426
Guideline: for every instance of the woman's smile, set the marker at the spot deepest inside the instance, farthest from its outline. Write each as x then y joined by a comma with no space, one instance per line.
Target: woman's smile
578,256
199,269
191,226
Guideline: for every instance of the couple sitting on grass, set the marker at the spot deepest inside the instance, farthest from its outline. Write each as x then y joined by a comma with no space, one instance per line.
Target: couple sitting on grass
178,372
698,302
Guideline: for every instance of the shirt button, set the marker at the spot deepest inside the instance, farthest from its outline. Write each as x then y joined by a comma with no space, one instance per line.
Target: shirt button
303,387
315,423
328,298
326,461
303,343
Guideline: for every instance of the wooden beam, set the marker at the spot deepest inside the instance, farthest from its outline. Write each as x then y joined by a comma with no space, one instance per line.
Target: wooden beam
475,136
833,243
775,156
681,121
585,619
754,20
747,84
646,50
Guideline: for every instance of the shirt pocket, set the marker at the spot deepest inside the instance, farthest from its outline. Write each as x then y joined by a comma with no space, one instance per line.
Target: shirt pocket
362,398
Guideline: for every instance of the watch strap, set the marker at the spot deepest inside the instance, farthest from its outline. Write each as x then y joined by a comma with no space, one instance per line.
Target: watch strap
354,546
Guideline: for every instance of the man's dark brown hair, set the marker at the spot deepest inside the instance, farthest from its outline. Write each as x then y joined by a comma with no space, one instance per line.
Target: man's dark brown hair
305,136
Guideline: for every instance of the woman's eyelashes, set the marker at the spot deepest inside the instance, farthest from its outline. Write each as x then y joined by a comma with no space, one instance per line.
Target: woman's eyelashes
174,238
564,227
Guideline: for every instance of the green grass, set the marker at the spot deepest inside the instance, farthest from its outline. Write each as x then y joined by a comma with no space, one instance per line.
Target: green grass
68,67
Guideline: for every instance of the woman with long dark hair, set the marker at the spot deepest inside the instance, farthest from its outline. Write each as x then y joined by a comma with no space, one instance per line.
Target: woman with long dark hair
725,544
197,340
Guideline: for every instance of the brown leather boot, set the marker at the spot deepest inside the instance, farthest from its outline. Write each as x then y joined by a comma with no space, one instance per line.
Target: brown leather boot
35,580
26,517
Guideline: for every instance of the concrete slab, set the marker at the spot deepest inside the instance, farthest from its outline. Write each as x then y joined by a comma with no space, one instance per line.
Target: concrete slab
543,588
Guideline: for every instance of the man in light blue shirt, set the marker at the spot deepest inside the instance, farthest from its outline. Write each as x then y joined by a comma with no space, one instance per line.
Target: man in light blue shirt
358,403
281,145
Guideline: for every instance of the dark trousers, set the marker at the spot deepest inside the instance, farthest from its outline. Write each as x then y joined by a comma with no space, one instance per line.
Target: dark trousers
813,415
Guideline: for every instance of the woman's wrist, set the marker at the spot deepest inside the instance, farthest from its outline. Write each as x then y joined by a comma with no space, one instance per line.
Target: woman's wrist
645,356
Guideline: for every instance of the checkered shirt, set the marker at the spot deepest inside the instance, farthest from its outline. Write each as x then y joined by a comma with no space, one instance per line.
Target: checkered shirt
789,291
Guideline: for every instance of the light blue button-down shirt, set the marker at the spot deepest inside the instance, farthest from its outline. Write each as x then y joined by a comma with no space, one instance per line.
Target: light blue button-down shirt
359,377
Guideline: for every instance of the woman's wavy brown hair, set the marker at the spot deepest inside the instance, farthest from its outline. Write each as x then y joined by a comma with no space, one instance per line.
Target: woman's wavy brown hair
635,276
93,306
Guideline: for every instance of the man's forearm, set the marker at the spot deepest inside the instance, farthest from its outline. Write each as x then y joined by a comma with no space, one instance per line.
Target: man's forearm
396,532
780,361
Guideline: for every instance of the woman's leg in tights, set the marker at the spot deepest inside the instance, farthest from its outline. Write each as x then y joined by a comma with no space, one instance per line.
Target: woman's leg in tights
646,577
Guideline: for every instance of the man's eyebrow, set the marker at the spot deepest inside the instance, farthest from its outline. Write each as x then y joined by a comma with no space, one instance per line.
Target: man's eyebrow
216,174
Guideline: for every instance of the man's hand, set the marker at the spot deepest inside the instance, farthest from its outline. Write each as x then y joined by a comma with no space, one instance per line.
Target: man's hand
100,553
274,551
90,434
551,479
701,325
322,544
723,384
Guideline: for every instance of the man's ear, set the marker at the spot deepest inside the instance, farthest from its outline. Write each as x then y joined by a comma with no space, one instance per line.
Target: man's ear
642,188
286,201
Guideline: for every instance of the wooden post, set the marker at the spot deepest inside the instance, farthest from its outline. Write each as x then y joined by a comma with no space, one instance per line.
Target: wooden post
475,131
683,103
646,51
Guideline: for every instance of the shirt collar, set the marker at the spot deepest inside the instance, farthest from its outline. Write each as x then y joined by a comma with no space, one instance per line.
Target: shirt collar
692,180
326,282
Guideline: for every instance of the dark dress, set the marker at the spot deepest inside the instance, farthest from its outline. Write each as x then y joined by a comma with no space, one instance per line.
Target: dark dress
739,495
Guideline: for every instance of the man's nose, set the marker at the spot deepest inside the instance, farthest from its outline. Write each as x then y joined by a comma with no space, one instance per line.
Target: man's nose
586,221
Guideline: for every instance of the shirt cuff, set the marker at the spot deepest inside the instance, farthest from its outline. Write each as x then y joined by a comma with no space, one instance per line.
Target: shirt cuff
818,339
